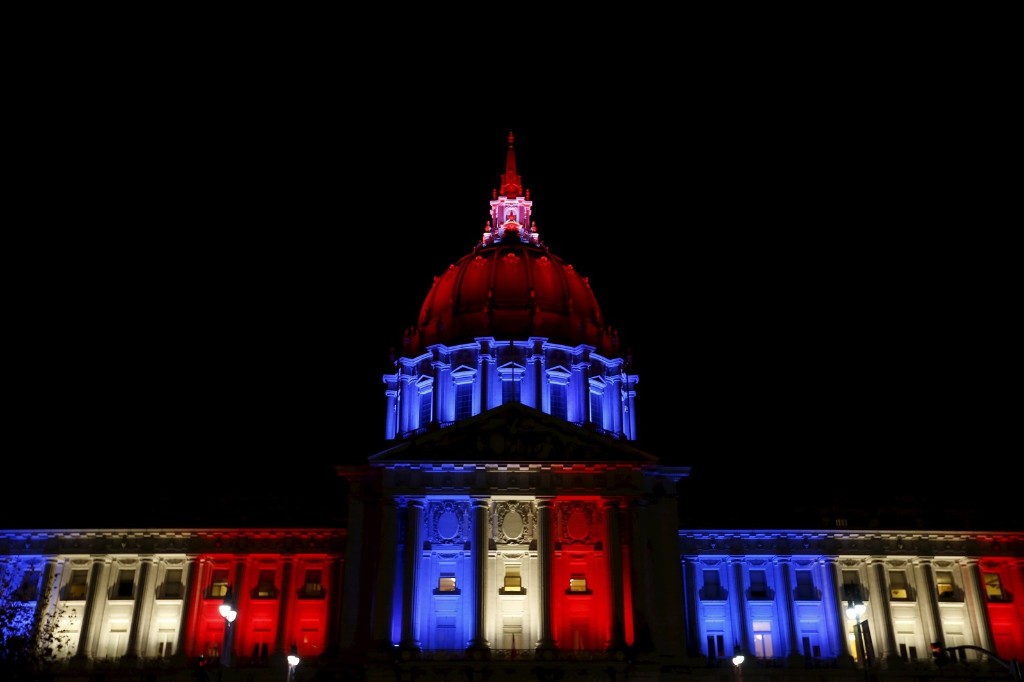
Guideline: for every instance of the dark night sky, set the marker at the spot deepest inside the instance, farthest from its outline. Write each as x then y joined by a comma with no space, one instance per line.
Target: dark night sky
214,296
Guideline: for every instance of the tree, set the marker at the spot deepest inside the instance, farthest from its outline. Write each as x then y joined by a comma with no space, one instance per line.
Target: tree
33,635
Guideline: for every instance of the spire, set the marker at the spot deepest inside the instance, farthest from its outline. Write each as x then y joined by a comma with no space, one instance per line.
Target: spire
511,184
511,210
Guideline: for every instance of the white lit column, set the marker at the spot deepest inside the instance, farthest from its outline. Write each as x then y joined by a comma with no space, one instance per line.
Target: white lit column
973,590
545,559
138,633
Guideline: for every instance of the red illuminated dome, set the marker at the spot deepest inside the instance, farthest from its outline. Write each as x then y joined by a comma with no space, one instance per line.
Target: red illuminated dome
511,285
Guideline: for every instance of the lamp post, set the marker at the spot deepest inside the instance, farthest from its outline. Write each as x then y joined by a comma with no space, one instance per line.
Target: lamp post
293,660
854,610
228,612
737,661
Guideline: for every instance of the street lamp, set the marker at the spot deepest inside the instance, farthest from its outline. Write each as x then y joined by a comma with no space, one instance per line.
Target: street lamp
737,661
293,660
228,612
854,610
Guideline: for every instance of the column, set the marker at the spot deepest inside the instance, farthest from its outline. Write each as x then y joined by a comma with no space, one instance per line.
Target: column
640,563
884,643
357,561
545,559
978,613
138,633
738,605
49,595
94,607
410,595
835,609
391,414
614,554
190,610
383,593
629,418
928,600
286,607
481,538
787,608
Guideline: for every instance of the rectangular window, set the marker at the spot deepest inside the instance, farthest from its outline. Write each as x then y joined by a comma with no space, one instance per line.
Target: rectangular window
513,581
993,587
712,589
219,584
762,639
265,586
805,586
596,411
172,584
716,645
426,404
577,583
125,584
559,404
463,400
313,587
446,583
77,584
511,387
898,589
851,587
944,587
29,588
758,585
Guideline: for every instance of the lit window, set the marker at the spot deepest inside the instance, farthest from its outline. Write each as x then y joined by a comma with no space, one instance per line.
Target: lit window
446,583
77,584
513,581
313,587
993,587
219,584
898,585
578,583
944,586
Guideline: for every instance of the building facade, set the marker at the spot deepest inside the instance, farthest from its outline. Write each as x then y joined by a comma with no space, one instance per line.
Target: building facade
513,530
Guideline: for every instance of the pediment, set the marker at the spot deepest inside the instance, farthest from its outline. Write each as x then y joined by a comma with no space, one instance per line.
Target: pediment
513,433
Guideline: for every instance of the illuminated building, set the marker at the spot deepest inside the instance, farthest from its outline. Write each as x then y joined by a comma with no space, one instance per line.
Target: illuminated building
512,530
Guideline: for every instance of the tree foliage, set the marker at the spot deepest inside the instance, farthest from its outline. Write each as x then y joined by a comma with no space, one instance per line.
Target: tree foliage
33,633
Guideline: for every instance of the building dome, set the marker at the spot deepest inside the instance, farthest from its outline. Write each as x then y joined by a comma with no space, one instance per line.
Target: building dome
511,285
512,288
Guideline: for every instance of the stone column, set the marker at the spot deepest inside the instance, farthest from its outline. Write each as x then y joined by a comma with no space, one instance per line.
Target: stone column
786,605
545,561
614,553
383,593
142,612
286,607
481,538
738,604
190,611
883,641
95,605
974,588
410,595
